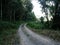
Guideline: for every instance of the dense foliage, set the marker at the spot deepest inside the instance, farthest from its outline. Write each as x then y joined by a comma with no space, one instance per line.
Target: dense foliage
12,14
15,10
53,6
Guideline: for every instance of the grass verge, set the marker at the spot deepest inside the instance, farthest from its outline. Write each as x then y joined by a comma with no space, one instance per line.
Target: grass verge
54,34
8,33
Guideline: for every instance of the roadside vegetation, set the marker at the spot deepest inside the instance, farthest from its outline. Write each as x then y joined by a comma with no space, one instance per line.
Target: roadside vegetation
50,27
12,14
8,32
15,12
42,29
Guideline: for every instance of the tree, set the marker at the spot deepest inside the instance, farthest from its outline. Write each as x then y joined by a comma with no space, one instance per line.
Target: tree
29,15
15,10
1,10
42,20
54,11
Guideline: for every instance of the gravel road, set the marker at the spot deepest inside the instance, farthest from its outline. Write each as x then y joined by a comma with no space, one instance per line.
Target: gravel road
27,37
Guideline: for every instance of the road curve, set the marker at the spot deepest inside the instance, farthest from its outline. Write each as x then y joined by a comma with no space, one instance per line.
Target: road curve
27,37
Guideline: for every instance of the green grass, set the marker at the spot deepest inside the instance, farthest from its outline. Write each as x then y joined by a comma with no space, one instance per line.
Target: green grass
55,35
36,25
8,32
7,36
37,28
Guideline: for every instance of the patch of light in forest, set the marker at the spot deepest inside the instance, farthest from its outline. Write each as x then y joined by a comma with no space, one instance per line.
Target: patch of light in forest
37,9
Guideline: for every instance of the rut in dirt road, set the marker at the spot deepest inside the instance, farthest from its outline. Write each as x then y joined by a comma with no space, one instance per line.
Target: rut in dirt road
27,37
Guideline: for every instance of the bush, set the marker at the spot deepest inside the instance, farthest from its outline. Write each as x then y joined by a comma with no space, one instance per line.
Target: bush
36,25
8,25
8,31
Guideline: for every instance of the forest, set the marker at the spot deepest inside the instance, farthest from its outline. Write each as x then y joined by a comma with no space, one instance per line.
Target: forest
50,28
15,12
12,14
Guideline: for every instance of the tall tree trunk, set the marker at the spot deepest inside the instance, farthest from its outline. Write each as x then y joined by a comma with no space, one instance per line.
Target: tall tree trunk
47,19
14,15
10,18
1,10
10,15
56,19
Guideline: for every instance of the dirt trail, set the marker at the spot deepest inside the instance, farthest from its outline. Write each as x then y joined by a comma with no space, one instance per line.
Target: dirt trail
27,37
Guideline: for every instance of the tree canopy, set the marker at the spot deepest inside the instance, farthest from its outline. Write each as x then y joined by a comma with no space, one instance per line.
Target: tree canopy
54,8
15,10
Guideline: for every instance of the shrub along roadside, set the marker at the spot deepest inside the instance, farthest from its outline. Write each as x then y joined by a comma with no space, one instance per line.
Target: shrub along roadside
36,25
8,32
54,34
